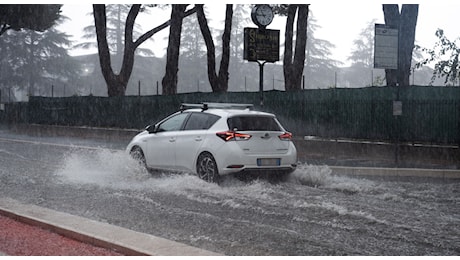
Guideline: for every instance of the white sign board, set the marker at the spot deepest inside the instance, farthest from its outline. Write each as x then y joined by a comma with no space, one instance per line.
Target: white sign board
385,47
397,108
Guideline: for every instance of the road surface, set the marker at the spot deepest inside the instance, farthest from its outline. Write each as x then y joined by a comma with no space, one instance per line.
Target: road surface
312,213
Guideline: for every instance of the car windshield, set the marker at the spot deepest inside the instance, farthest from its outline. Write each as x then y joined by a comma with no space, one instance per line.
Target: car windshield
253,123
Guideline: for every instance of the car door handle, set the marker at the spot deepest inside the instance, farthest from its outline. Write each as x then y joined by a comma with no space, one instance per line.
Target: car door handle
198,138
172,140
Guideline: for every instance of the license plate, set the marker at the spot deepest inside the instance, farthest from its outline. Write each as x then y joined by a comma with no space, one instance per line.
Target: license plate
269,162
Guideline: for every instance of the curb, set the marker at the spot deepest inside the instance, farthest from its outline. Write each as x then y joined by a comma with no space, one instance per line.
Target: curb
125,241
396,172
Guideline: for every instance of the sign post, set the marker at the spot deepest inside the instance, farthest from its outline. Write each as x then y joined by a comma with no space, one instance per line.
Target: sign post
261,45
386,54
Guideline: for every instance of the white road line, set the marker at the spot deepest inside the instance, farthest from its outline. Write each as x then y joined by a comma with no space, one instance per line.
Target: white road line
56,144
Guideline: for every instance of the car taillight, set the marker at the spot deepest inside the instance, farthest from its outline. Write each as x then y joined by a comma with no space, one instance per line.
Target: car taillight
231,135
285,137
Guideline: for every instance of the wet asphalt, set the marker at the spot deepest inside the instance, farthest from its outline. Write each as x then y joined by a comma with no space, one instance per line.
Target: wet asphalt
313,213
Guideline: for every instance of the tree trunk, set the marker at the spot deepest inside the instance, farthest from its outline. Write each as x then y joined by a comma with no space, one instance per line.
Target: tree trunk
119,50
287,61
169,81
116,83
219,82
409,14
100,21
293,63
406,23
225,61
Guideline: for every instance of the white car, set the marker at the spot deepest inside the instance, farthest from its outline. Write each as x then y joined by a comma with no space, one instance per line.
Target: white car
214,139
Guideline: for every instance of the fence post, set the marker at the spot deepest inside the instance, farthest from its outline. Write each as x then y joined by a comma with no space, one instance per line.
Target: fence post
139,88
335,79
397,125
458,123
245,86
372,77
303,82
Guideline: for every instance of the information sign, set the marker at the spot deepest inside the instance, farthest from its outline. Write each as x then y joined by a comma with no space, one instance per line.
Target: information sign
261,44
385,47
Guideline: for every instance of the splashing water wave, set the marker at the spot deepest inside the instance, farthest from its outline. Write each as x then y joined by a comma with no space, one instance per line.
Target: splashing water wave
117,170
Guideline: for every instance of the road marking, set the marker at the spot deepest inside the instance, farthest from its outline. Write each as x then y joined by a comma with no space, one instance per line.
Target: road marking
58,145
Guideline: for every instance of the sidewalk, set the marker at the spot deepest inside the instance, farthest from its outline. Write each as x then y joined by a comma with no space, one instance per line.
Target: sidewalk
20,239
44,227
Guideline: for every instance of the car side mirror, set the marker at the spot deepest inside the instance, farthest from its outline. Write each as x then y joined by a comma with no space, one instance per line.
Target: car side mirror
151,129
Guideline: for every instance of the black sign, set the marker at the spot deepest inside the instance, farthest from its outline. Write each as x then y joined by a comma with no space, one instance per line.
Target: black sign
261,44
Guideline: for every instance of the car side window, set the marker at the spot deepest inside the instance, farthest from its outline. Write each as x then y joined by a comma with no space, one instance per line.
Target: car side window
174,123
200,121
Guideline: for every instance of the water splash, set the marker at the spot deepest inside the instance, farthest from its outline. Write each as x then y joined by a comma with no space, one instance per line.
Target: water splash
321,176
101,167
311,175
117,170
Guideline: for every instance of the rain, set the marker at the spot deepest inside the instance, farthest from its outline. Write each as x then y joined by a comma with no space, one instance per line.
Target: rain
68,111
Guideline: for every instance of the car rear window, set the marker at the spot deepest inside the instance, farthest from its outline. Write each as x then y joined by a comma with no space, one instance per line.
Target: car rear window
253,123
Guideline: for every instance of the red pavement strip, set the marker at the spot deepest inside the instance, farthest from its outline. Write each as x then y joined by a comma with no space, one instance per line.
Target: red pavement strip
20,239
88,232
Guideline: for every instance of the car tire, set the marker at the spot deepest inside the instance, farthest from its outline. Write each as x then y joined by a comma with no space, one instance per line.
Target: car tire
206,168
138,155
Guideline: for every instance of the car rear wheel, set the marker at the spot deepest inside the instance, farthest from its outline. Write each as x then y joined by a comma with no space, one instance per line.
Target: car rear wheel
206,168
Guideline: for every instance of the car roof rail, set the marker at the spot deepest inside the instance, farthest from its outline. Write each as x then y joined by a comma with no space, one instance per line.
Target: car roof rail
206,105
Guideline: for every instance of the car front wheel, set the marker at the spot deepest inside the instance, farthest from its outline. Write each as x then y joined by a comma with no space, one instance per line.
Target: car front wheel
137,154
206,168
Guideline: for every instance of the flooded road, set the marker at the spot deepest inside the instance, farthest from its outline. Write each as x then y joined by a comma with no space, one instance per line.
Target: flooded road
312,213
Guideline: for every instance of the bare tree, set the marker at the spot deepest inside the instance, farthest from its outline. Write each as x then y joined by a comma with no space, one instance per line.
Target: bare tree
406,22
169,81
293,63
219,83
116,83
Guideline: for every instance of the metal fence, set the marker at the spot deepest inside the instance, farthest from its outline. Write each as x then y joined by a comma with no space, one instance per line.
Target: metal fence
428,115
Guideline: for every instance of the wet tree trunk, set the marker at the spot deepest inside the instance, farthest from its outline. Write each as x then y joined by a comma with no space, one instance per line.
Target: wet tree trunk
116,83
119,51
406,22
219,82
293,63
409,14
169,81
391,14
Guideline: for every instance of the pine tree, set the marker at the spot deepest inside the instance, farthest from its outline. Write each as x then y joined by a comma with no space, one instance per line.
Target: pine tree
193,56
362,54
318,65
34,61
116,17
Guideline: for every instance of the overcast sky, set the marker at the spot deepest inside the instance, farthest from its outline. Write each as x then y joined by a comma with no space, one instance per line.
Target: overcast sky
340,21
